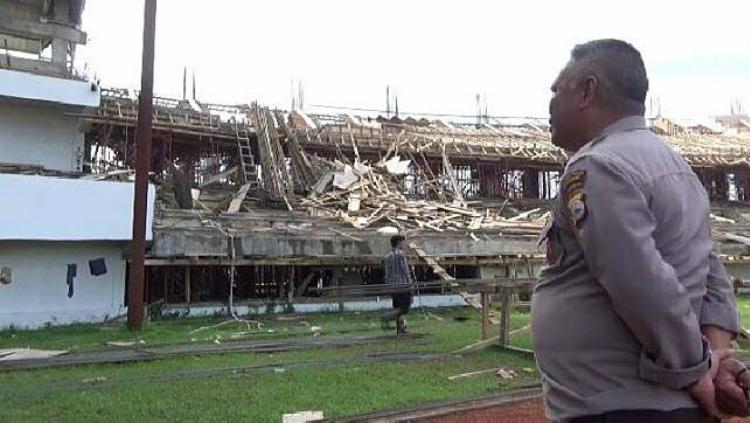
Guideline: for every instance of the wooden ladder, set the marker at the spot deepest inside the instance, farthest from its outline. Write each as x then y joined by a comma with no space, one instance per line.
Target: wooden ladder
248,168
444,275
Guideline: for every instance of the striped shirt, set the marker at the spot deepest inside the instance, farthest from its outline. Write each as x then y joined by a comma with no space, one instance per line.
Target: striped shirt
395,268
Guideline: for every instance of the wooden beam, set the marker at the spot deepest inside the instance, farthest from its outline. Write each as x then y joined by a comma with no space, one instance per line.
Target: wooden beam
218,177
236,203
34,29
214,134
187,284
442,273
737,238
475,373
165,284
301,289
485,315
507,304
485,343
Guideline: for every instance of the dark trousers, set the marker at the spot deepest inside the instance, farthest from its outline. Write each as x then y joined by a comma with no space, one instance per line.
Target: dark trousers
402,301
682,415
401,306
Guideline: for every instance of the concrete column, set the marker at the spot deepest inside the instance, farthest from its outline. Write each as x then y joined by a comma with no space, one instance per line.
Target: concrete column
60,47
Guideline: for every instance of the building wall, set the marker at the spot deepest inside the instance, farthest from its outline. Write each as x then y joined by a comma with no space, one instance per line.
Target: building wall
40,134
65,209
38,292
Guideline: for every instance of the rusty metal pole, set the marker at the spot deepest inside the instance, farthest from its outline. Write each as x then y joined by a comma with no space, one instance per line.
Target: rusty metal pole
142,167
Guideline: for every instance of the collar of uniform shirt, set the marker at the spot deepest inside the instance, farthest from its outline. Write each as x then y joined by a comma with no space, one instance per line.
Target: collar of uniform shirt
626,124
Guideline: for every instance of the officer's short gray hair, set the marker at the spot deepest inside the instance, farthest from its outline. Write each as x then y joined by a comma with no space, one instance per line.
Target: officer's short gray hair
618,65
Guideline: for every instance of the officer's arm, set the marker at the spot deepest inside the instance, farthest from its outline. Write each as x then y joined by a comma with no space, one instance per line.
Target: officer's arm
616,234
719,307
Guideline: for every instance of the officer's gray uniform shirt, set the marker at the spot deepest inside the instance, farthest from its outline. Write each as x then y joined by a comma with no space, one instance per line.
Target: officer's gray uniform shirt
631,277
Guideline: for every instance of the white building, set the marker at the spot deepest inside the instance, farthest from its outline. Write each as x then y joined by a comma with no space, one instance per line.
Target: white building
63,238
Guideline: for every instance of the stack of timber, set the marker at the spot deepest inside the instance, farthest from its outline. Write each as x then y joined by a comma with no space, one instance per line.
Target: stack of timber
363,195
277,181
302,168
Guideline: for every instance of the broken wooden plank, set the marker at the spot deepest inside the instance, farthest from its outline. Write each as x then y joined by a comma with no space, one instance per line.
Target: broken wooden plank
443,274
476,223
506,309
737,238
485,296
522,215
477,346
305,283
486,343
457,194
721,219
475,373
234,205
218,177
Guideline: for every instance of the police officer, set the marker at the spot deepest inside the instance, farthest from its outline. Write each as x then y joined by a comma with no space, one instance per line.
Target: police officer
633,300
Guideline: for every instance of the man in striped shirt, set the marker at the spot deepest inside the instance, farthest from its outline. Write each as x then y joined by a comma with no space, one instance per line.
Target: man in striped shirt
396,272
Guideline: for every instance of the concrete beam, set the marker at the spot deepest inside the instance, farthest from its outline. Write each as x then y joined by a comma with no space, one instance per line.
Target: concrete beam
35,66
283,245
24,45
33,29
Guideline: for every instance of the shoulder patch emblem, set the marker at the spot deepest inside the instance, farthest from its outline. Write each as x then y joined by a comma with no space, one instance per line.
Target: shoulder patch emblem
577,208
574,197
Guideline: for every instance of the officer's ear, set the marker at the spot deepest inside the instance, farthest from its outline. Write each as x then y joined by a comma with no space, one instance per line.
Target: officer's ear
589,88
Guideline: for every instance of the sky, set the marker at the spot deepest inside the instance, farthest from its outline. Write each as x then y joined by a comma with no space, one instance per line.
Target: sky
437,56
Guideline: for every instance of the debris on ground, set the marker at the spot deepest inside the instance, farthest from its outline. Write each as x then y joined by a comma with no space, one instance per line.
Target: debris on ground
11,354
475,373
302,417
120,343
248,323
95,379
506,374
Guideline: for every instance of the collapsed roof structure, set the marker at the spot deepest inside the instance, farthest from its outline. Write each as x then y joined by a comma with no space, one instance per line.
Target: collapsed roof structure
284,201
256,207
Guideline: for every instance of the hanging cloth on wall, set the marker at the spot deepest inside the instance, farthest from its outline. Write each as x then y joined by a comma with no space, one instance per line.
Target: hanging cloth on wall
6,275
97,266
72,270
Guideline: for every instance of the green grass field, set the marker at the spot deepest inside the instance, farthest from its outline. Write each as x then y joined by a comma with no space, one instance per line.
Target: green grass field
260,387
338,381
